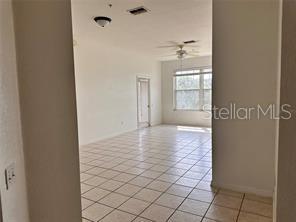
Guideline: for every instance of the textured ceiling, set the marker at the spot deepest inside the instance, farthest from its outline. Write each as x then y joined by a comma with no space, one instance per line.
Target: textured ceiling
167,20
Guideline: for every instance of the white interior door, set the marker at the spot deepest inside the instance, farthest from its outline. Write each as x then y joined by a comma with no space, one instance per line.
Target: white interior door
143,103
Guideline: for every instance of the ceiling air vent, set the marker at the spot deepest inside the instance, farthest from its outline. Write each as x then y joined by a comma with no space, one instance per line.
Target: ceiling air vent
138,10
190,42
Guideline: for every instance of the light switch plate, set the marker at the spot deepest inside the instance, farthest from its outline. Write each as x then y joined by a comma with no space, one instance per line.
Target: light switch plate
10,175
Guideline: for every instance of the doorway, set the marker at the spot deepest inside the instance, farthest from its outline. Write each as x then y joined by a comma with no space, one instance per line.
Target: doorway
143,98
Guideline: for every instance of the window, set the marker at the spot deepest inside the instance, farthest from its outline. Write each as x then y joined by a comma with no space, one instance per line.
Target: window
193,89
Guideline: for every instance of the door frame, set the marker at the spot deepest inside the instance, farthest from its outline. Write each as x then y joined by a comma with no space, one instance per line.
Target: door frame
1,215
138,80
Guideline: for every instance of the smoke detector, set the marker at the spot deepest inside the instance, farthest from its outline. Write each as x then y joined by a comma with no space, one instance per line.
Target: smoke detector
102,20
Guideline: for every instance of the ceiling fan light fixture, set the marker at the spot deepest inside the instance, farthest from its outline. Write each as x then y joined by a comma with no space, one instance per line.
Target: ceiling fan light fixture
102,20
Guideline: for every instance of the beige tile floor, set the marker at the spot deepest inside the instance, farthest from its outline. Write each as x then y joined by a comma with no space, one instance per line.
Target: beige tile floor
160,174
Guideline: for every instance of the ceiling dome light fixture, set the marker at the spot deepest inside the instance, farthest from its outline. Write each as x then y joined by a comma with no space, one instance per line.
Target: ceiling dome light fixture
102,20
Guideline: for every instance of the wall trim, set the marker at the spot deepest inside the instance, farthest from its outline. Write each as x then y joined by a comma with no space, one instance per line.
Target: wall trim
186,124
244,189
115,134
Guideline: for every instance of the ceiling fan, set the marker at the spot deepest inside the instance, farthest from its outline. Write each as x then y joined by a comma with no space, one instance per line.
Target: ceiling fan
181,53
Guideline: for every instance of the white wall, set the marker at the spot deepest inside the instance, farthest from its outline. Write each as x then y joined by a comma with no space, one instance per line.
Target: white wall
286,192
106,89
14,201
245,65
169,115
48,109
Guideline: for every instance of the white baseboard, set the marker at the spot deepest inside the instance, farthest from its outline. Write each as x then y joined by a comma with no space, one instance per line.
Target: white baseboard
244,189
109,136
116,134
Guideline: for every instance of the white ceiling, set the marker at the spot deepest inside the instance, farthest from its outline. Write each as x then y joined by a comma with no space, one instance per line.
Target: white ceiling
167,20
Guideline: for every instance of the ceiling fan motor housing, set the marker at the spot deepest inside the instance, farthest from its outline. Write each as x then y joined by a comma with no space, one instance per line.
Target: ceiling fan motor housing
181,53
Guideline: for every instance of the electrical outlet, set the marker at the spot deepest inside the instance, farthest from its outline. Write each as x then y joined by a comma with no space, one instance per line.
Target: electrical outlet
10,175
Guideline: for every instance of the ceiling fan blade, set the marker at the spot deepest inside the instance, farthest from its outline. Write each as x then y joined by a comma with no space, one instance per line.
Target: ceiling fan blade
174,43
191,46
190,42
192,54
169,55
192,51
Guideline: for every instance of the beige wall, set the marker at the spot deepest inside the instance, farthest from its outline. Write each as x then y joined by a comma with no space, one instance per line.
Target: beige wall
245,63
14,200
48,109
169,115
106,88
286,192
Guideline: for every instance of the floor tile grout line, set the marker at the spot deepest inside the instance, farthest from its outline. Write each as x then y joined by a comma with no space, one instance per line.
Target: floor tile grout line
187,195
155,153
162,172
240,208
204,216
117,208
150,203
98,186
107,178
154,202
139,187
133,196
140,162
153,179
142,187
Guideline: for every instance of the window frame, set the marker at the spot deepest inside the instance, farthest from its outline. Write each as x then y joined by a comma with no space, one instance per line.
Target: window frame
201,73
